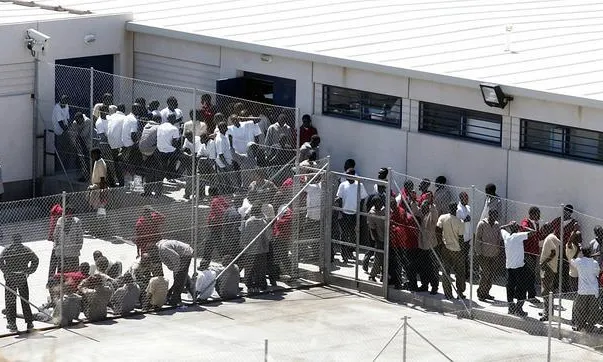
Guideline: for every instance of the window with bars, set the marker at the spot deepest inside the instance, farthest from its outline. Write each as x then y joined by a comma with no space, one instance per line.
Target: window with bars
461,123
362,106
561,140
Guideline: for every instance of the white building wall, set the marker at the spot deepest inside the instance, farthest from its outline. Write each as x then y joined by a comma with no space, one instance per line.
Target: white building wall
17,74
176,62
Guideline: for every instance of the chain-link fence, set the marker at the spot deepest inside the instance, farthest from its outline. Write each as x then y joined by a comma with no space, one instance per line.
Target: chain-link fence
148,131
113,251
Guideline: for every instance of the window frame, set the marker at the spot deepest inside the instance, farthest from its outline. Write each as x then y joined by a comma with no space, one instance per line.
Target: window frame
566,142
463,123
362,95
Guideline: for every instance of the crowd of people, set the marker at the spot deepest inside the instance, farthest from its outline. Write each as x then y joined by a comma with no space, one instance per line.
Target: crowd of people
430,238
250,209
430,232
158,143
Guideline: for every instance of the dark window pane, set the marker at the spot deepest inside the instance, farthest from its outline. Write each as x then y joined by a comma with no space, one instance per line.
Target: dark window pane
462,123
563,141
355,104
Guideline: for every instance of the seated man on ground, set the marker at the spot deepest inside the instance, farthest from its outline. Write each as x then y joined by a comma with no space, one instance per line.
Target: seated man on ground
96,296
73,279
63,313
113,269
156,293
206,281
227,284
102,264
126,297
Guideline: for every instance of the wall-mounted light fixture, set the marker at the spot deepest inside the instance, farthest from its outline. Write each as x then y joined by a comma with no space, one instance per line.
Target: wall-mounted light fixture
266,58
494,96
89,39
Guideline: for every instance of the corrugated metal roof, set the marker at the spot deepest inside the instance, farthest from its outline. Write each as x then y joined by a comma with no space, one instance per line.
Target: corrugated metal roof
556,45
11,13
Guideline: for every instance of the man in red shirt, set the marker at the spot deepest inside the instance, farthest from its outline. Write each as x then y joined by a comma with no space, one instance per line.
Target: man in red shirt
148,231
406,235
73,279
306,130
532,250
215,220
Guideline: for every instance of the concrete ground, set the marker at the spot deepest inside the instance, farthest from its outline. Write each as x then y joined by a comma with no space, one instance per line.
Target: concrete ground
499,306
318,324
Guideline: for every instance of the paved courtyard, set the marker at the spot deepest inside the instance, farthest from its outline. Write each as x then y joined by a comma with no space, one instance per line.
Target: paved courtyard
318,324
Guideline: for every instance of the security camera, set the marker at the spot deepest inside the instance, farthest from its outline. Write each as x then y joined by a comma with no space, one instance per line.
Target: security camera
36,41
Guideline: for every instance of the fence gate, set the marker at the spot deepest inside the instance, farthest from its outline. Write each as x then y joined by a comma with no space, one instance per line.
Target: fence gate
358,219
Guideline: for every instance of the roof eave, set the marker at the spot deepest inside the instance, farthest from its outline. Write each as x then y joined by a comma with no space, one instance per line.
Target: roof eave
133,26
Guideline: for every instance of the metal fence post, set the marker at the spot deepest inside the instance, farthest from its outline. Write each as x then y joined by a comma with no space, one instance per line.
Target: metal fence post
385,272
62,251
265,350
560,268
194,194
550,327
91,143
357,232
404,338
326,217
471,251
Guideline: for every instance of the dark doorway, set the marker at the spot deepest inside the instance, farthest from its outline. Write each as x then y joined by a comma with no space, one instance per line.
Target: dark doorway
75,83
72,78
259,88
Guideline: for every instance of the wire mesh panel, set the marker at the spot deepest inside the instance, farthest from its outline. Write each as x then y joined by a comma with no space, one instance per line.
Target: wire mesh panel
28,260
442,215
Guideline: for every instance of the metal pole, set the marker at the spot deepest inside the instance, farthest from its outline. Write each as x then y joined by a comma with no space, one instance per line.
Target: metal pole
357,232
550,332
62,251
560,269
471,251
91,143
265,350
34,171
327,218
195,190
404,338
268,226
388,196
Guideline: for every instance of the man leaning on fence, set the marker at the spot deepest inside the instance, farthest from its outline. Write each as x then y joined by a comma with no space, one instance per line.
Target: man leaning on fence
549,265
450,230
17,262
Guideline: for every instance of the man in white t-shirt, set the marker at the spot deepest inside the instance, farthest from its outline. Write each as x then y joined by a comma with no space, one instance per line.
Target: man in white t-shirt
241,133
586,310
168,139
515,264
449,232
129,138
60,126
223,158
171,109
98,180
200,127
347,199
115,124
107,102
